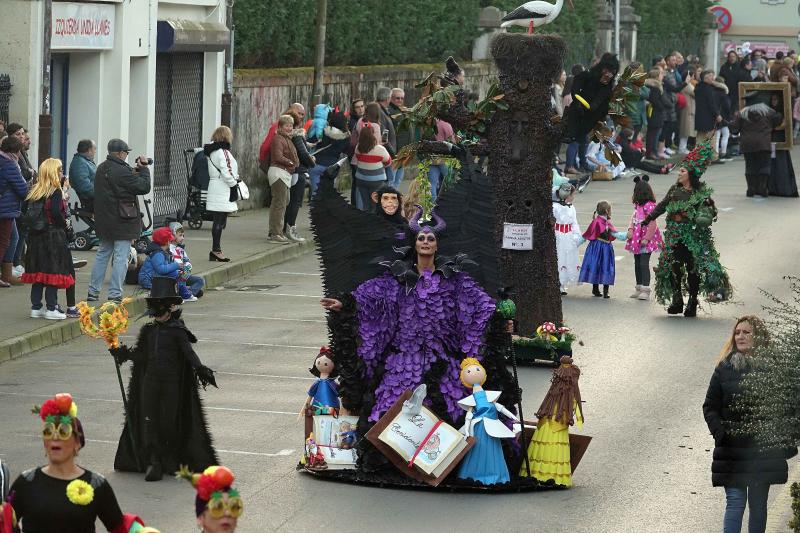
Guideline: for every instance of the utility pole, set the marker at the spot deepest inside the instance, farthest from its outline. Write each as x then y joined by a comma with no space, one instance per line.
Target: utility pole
319,62
227,96
45,119
616,27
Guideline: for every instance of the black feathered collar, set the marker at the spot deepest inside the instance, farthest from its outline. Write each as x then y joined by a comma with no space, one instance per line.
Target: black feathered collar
405,270
208,149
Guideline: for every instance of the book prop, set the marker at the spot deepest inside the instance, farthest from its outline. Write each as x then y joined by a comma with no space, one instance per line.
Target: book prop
419,444
332,443
112,321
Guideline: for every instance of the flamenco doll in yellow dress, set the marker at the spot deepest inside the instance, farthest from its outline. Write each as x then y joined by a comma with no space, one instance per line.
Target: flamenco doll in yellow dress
548,452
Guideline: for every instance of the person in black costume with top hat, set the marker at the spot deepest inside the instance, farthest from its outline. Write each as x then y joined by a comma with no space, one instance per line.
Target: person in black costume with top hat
164,406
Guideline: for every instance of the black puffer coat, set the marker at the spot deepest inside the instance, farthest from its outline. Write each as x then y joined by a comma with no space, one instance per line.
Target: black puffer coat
738,461
116,181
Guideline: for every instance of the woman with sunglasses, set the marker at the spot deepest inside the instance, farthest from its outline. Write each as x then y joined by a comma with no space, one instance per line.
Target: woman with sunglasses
63,496
217,504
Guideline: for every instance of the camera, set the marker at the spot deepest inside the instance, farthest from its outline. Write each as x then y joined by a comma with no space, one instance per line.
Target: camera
148,161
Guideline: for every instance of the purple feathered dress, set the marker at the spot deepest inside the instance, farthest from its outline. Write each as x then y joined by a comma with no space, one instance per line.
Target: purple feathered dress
405,329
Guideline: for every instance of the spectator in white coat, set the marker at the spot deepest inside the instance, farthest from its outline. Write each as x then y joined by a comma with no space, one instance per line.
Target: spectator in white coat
223,173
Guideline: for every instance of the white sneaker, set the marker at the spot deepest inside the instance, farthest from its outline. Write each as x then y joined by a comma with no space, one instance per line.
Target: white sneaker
192,298
293,236
277,239
637,292
54,315
645,294
668,151
17,271
683,151
38,313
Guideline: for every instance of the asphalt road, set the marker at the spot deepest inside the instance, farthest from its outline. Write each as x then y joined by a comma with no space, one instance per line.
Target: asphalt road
644,377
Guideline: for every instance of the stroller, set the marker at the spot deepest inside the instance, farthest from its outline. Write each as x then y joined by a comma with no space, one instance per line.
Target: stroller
197,188
85,239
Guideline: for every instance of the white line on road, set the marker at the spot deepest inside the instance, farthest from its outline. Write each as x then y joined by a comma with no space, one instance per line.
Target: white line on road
232,409
261,375
262,344
248,317
316,275
269,293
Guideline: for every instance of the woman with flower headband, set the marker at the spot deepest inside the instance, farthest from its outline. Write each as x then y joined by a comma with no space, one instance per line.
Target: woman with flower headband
217,505
689,251
63,496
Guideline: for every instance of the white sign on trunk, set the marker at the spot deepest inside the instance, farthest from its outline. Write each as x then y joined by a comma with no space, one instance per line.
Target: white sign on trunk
517,236
82,26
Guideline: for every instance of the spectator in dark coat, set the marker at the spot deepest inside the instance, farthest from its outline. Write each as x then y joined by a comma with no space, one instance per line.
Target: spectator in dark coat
403,138
673,85
388,136
117,215
730,70
82,170
707,107
29,173
655,120
738,463
755,124
299,179
335,142
14,189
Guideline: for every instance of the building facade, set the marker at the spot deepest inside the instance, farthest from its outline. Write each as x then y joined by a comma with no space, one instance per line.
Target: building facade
769,25
151,72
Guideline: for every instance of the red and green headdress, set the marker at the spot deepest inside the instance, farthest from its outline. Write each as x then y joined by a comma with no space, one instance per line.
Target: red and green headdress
210,485
697,160
60,417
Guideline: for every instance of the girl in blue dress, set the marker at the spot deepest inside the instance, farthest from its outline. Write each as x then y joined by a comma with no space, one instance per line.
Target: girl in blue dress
323,396
484,462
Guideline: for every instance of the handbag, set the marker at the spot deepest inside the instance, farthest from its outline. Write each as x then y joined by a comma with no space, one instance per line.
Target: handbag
126,209
238,191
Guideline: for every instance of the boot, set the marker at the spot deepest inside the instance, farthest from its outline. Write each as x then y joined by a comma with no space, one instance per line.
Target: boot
636,293
691,307
676,307
763,186
605,292
596,290
154,472
8,276
750,186
645,294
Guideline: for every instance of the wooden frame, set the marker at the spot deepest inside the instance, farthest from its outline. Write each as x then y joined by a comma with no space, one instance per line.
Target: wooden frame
786,94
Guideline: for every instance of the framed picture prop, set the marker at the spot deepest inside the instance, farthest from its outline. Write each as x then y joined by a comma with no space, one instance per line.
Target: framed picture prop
778,96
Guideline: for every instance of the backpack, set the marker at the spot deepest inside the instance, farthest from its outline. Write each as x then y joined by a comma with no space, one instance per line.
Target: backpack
34,219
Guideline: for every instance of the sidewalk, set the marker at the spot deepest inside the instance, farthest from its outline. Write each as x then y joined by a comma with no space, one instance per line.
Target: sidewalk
244,241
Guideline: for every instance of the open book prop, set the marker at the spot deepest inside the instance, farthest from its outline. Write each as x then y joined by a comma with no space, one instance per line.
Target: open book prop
417,442
334,441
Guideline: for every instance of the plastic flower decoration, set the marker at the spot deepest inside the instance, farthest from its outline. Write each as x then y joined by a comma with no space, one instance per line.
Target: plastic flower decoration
112,322
210,485
562,331
80,493
546,331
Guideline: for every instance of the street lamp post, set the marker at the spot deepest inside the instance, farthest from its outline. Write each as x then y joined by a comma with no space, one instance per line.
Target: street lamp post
319,62
45,119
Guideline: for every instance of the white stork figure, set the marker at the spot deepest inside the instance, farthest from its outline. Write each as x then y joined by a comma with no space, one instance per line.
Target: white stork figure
534,14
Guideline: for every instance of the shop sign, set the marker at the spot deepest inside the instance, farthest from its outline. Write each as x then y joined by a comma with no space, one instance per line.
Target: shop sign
769,48
82,26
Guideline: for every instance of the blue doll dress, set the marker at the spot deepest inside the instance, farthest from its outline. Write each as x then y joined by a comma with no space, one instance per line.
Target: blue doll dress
325,393
484,462
599,267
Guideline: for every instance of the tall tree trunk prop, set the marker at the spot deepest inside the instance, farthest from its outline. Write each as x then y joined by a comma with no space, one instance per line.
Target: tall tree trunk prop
522,144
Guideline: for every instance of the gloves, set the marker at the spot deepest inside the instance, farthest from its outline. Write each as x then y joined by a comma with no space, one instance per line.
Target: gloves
120,354
205,376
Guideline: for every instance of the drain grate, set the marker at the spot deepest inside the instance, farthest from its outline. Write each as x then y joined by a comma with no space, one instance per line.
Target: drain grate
243,288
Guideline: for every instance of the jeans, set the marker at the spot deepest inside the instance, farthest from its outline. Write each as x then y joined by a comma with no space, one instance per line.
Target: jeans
8,255
435,175
576,154
364,190
720,142
398,177
314,177
195,284
119,250
296,193
641,267
755,496
50,296
22,236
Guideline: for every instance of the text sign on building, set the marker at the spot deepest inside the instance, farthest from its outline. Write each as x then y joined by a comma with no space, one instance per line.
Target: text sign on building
517,236
82,26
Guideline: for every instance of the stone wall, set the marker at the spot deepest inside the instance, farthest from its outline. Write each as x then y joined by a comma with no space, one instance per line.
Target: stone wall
261,95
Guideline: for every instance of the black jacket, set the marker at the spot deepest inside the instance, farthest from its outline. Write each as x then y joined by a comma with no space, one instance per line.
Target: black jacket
299,142
671,90
580,120
116,181
737,461
388,124
706,107
403,137
658,103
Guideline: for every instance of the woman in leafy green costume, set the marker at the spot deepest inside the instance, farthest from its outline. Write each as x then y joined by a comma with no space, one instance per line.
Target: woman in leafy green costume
689,259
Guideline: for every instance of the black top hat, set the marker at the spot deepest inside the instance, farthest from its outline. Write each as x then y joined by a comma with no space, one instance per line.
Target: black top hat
164,290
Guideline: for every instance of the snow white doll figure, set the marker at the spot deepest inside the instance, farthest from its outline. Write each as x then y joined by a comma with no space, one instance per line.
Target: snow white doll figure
485,462
323,396
548,452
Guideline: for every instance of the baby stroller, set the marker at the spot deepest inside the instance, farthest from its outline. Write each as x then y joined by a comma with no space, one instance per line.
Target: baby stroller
85,239
197,188
143,241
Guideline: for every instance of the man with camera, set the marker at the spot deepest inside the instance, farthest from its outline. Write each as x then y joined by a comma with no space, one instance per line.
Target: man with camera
117,215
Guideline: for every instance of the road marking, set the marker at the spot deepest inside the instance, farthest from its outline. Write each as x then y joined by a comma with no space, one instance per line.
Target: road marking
268,293
261,375
280,453
316,275
619,257
263,344
248,317
232,409
726,208
198,238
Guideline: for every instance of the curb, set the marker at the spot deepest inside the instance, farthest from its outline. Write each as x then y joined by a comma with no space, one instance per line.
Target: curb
65,330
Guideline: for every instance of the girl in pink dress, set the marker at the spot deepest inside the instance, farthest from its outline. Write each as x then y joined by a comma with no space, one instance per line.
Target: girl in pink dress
642,240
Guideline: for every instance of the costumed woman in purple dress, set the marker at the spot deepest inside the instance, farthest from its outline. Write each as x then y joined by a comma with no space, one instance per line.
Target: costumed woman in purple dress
396,324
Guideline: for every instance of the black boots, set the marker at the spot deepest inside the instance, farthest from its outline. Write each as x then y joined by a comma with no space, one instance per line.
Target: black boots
691,307
751,185
154,471
596,290
763,186
676,307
